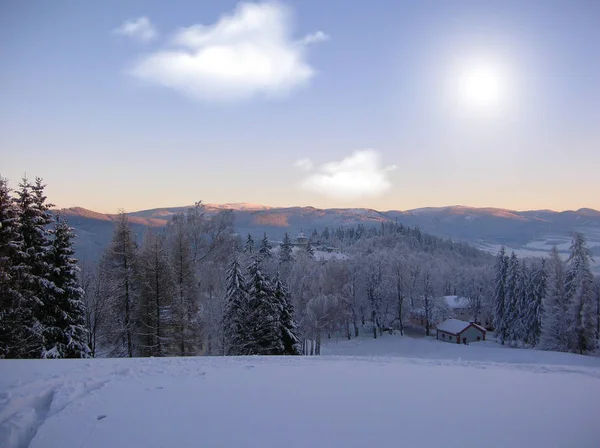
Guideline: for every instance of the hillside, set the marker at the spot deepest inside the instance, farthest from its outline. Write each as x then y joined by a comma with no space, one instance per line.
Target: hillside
529,233
335,401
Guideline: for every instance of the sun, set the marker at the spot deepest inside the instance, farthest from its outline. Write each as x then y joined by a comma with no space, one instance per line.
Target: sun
481,86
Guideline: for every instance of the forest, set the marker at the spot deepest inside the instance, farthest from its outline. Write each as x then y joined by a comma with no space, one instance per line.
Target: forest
196,287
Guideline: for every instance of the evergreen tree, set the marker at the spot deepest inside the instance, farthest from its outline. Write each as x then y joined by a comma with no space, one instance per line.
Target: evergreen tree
249,246
534,305
235,317
516,286
579,288
287,323
265,248
263,318
285,250
555,319
35,217
15,316
500,304
121,266
65,335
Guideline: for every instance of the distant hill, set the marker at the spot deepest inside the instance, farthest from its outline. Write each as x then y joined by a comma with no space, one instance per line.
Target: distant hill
529,233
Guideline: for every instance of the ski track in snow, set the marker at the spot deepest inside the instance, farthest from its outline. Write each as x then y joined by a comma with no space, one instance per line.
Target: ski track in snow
25,408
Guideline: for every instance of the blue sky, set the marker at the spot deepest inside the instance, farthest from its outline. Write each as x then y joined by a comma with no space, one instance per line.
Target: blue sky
317,103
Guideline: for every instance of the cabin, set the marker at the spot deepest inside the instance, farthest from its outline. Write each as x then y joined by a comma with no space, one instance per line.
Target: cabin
460,332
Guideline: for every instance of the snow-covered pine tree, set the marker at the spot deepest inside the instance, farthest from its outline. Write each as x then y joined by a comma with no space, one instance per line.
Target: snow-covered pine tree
555,319
156,296
534,305
14,315
287,322
121,271
184,310
579,288
249,246
264,335
265,248
514,289
285,250
64,331
500,305
235,316
35,217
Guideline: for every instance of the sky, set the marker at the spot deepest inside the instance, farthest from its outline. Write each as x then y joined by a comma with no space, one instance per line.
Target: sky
381,104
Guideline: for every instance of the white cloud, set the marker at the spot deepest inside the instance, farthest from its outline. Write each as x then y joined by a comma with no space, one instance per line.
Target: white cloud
359,175
141,29
247,53
304,164
314,38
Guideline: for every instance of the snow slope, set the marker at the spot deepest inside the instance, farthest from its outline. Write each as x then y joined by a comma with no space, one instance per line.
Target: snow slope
327,401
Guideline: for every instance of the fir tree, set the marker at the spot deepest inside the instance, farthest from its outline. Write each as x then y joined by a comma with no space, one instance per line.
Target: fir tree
265,248
35,217
579,288
555,319
65,335
263,317
15,317
235,317
500,305
287,323
249,245
534,306
516,278
285,250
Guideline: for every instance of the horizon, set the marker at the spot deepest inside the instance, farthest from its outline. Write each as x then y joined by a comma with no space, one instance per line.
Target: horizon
250,205
390,107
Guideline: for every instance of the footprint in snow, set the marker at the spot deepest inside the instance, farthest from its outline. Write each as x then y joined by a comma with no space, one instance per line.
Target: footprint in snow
249,367
159,387
101,417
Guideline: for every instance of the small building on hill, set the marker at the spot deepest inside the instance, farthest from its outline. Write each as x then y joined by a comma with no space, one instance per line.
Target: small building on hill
460,332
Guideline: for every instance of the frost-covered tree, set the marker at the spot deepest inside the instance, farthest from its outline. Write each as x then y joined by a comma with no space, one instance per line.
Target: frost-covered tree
121,271
285,250
97,291
264,335
64,331
500,305
156,290
184,309
265,248
514,288
533,312
287,323
249,246
16,318
236,327
579,288
555,317
35,217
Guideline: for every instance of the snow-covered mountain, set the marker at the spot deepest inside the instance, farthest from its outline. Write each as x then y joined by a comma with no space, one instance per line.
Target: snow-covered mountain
529,233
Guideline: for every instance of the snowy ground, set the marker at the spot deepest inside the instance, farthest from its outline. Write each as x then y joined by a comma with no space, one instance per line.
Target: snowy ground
391,392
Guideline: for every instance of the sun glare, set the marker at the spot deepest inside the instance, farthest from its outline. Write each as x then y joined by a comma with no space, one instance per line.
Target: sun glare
481,86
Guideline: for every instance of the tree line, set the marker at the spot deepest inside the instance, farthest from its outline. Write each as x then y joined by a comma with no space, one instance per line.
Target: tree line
552,304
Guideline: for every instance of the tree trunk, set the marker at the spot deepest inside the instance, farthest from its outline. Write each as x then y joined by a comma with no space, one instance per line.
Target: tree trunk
348,334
